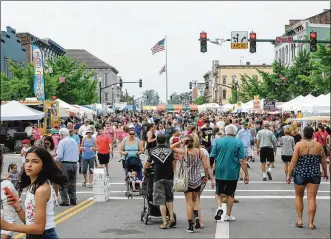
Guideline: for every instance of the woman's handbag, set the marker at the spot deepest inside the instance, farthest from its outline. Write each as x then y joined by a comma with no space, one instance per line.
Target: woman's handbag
181,177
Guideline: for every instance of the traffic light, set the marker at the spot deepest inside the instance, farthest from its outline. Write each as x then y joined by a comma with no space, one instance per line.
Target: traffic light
121,83
140,83
313,42
207,85
190,85
171,97
203,42
252,42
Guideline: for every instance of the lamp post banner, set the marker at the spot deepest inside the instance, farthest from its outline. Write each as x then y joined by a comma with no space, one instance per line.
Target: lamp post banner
39,84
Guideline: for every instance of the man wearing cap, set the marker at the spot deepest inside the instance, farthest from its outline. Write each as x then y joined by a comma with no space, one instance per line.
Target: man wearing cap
266,143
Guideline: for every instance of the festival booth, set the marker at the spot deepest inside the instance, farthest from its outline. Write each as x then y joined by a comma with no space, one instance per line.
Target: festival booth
85,112
318,107
177,107
290,105
130,108
227,107
149,108
66,110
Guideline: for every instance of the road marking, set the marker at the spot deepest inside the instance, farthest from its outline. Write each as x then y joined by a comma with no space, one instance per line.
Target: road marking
20,235
237,197
74,212
222,227
250,182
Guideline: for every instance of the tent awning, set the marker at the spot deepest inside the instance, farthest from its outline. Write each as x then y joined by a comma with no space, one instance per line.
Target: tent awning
176,107
15,111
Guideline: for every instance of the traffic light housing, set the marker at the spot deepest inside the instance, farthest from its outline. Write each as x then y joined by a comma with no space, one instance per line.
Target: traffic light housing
171,97
203,42
252,42
313,42
140,83
121,83
207,85
190,85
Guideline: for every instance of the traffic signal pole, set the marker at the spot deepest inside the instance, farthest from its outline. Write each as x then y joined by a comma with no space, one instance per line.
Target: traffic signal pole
274,41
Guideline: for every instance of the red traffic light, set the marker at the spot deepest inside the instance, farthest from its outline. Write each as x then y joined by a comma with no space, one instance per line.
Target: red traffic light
313,35
252,35
203,35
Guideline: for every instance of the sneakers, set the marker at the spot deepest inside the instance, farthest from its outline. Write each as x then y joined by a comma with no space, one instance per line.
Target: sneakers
218,214
190,228
264,179
229,218
269,175
197,223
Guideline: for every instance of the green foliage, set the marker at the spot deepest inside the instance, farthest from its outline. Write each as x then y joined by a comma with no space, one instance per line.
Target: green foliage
150,98
200,100
78,88
125,97
308,74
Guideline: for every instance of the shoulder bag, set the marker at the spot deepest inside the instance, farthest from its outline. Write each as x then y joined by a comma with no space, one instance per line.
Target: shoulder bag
181,176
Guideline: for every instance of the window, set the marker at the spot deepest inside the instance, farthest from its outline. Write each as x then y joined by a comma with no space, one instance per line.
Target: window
106,97
224,79
6,66
234,77
224,94
96,77
106,79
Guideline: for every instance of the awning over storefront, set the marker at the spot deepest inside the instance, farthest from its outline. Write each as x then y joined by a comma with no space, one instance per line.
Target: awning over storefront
176,107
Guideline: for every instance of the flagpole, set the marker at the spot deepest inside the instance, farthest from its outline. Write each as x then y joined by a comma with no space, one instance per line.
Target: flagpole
166,49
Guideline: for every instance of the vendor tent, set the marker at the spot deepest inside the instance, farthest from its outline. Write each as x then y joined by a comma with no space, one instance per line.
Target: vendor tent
85,112
319,106
176,107
288,106
14,110
147,107
66,109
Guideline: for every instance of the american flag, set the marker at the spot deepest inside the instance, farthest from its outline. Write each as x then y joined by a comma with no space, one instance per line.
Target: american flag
62,79
162,70
158,47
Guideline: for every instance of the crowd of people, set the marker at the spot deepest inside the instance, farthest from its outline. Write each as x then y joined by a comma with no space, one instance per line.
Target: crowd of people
208,146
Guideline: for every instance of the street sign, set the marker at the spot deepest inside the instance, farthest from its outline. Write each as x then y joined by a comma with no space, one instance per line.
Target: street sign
239,40
280,40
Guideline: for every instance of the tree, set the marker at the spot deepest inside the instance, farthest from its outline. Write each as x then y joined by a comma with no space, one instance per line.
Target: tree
150,97
125,97
200,100
250,87
180,98
21,85
78,87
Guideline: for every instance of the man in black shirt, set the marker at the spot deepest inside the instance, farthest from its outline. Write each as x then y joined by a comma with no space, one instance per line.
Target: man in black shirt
164,164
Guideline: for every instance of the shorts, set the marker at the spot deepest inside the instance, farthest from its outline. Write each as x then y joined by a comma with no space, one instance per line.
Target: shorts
193,190
302,181
163,192
286,158
144,138
248,152
88,163
226,187
103,158
267,154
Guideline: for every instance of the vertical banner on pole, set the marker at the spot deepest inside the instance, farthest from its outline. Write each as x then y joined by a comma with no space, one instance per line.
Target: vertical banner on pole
39,84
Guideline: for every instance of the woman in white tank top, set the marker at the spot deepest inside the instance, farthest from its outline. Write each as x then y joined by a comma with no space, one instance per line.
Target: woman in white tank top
40,171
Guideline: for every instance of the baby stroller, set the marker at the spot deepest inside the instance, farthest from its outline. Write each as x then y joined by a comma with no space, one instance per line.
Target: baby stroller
149,210
133,164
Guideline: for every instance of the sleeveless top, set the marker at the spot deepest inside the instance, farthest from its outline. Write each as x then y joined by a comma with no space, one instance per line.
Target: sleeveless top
153,144
30,213
88,153
109,132
131,149
308,166
194,164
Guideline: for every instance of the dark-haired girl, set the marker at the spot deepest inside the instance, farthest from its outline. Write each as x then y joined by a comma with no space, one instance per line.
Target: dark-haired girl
40,171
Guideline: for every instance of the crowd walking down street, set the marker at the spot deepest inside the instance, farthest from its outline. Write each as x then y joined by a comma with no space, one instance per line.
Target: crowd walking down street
203,175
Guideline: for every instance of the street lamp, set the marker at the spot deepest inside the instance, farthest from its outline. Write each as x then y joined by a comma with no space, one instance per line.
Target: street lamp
100,89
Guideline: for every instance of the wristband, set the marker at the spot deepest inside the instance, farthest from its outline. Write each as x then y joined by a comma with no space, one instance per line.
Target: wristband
19,210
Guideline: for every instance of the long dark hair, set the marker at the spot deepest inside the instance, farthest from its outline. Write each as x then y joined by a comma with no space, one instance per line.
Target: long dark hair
50,139
49,171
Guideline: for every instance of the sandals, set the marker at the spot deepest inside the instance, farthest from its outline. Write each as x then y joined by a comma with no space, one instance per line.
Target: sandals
312,228
164,226
172,223
299,225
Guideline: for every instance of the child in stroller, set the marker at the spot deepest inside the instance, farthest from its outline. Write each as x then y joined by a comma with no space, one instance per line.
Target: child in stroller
134,176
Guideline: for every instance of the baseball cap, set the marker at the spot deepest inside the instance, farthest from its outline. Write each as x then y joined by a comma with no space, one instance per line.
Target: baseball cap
26,141
266,124
89,130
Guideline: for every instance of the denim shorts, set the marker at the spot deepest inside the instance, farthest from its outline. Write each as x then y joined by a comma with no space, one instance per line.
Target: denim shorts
88,163
48,234
302,181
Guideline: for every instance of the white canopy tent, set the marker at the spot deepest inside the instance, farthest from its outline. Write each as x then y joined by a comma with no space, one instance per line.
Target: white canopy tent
85,111
65,108
14,111
288,106
298,105
320,106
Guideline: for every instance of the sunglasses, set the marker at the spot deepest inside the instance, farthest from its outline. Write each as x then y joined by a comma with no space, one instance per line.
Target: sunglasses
47,143
132,134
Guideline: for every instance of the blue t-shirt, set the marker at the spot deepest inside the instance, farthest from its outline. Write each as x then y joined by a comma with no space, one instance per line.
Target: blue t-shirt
88,153
137,129
227,153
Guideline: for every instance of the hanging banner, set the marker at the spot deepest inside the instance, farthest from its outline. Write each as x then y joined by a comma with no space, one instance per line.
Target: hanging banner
269,106
39,84
256,103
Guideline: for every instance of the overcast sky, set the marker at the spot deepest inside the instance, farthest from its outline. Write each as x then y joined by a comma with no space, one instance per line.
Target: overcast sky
123,33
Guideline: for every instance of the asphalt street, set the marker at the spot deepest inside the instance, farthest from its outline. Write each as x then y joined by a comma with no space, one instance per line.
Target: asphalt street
266,210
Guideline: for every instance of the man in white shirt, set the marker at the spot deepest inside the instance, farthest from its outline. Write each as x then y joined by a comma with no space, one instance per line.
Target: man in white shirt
82,130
